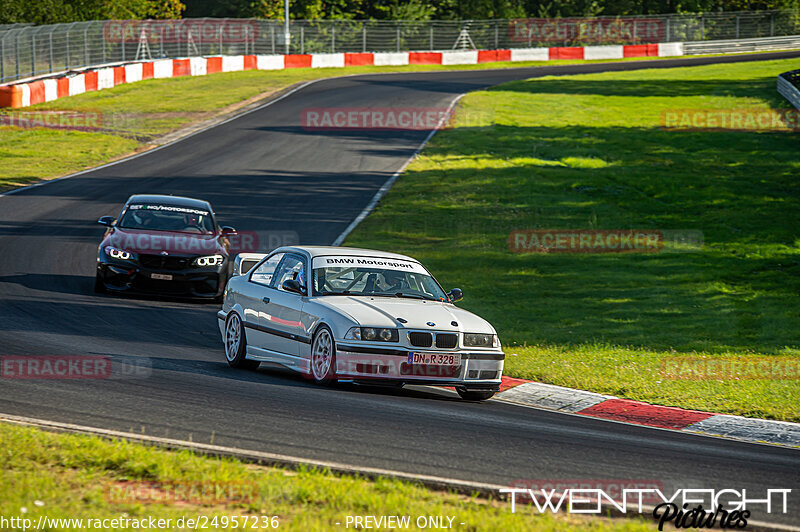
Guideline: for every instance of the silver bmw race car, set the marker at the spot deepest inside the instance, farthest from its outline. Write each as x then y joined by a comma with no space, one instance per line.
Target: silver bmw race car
356,315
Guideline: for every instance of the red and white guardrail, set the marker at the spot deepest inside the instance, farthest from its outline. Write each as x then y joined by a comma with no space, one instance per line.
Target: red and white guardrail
32,92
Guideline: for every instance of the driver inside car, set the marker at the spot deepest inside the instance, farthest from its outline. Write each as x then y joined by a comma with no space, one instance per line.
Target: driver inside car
191,222
394,281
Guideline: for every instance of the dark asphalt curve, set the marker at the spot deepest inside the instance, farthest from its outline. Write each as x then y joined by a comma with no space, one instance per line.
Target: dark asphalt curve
264,172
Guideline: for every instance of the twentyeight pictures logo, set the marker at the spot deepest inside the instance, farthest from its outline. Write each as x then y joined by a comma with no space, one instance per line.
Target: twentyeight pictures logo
682,508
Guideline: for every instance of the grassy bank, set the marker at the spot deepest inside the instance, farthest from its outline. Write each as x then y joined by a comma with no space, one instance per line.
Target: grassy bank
132,116
589,152
61,476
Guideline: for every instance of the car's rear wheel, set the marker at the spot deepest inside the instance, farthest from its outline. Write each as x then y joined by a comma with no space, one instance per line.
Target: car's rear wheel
236,344
323,356
475,395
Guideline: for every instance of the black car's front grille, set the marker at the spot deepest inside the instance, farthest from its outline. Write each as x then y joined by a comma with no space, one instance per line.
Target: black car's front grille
446,341
420,339
164,262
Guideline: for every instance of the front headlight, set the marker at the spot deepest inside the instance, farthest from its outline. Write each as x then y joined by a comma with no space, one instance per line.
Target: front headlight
480,340
372,334
119,254
210,260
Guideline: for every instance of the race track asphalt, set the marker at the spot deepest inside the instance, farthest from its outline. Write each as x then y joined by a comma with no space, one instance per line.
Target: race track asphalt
263,172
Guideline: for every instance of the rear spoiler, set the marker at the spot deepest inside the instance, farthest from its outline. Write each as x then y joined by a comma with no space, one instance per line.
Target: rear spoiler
244,262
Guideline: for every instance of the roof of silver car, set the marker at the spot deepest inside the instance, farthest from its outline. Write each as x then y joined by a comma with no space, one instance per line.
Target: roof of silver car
318,251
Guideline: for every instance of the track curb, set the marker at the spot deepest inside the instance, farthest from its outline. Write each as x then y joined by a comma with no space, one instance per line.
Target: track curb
580,402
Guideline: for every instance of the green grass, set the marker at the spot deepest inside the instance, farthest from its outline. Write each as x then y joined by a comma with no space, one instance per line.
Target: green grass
135,114
78,476
588,152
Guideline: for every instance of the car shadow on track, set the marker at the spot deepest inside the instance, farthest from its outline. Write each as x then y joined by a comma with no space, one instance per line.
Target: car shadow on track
275,374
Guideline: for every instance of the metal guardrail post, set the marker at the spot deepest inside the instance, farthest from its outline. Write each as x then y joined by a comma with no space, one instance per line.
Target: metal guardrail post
431,28
273,38
364,38
398,37
333,38
772,24
16,54
33,52
86,46
2,59
103,40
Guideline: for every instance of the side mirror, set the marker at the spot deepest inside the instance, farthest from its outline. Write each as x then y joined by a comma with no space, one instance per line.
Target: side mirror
455,295
227,230
106,220
293,285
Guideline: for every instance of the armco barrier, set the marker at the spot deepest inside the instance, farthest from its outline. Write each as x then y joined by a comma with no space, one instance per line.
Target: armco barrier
787,87
32,92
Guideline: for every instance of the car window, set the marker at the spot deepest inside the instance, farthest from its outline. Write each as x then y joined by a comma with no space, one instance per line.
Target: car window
174,218
263,274
292,267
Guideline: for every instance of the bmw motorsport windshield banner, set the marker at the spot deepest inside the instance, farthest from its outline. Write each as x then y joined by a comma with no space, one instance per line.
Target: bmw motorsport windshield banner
336,261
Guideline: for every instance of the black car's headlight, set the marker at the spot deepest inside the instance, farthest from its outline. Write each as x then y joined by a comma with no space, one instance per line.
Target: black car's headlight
372,334
210,260
119,254
480,340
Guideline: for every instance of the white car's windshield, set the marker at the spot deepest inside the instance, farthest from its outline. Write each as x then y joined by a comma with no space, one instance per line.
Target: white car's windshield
371,281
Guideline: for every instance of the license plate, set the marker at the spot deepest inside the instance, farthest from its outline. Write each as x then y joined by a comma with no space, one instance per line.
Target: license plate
161,276
434,359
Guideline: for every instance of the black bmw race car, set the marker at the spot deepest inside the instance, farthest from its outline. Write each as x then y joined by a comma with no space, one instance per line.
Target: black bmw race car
166,245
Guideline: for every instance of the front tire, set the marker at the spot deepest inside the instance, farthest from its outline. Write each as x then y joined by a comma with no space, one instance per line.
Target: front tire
475,395
99,285
236,344
323,356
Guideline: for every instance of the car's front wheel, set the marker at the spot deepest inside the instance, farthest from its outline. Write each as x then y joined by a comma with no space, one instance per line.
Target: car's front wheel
99,285
236,343
323,356
475,395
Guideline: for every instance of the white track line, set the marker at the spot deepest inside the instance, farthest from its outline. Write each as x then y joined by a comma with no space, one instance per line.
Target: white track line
389,182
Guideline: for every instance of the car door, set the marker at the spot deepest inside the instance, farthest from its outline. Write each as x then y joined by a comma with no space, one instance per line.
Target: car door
259,342
282,311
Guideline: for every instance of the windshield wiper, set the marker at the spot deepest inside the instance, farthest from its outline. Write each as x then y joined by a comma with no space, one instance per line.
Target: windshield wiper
405,294
342,293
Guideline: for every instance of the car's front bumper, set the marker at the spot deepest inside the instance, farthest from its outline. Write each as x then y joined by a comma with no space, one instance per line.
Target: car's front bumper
479,369
130,277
